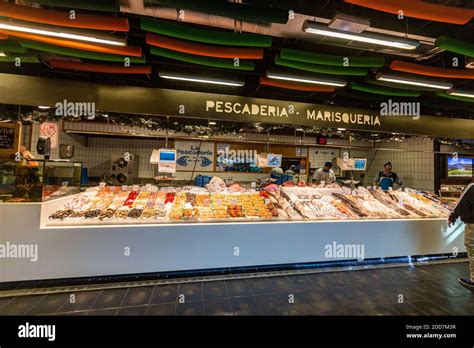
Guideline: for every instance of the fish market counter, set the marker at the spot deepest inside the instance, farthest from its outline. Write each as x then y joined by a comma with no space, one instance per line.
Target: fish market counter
30,249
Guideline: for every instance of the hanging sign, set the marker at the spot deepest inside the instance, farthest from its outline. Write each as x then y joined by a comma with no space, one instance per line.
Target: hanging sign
50,130
194,155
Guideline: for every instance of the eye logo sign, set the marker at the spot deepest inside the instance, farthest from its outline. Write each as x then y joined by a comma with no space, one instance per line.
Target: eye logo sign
184,161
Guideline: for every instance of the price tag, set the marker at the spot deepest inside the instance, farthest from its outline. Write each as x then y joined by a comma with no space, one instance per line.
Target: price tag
254,184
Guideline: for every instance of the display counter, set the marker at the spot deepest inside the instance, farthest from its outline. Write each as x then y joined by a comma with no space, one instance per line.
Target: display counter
38,180
123,205
99,249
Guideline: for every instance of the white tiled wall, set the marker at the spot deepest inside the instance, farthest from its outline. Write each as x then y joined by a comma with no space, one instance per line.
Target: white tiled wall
95,153
412,160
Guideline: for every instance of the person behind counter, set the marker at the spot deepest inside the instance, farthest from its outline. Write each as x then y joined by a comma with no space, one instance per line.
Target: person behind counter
291,171
386,178
465,210
325,174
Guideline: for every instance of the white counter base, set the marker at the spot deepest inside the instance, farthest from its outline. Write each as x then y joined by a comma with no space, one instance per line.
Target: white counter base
97,250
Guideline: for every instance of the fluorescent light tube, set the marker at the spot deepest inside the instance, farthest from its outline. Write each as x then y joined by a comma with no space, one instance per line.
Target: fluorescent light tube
208,80
61,33
303,79
413,81
460,93
375,39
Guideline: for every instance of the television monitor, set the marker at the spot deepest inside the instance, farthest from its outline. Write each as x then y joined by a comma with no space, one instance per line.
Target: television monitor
360,163
460,167
167,155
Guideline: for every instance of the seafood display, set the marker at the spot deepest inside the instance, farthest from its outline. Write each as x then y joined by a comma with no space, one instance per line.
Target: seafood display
148,204
363,203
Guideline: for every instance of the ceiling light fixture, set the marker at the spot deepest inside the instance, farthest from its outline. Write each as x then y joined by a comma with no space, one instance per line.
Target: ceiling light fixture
413,81
208,80
374,39
2,54
44,107
61,33
341,129
304,79
212,123
461,93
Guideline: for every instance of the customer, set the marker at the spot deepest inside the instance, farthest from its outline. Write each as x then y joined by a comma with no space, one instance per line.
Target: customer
325,174
387,178
465,210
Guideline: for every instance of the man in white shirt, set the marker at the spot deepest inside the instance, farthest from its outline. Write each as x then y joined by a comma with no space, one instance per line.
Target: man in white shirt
325,174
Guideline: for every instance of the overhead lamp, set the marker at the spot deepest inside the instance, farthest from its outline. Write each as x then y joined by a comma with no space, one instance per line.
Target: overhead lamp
461,93
212,123
44,107
80,35
2,54
405,80
370,38
341,129
198,79
306,79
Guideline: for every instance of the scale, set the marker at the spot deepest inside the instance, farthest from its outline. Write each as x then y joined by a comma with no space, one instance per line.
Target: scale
351,165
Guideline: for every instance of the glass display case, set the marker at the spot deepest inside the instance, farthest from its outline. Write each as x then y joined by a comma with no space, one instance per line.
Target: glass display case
38,180
121,205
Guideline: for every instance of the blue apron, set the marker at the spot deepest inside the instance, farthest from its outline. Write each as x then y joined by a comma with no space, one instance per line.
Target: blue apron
385,183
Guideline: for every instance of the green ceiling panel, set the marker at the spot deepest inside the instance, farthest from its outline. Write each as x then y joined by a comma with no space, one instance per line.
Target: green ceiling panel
203,35
201,60
327,59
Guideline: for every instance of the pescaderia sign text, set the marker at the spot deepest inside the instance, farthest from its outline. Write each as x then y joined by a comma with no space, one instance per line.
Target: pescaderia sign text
33,91
275,111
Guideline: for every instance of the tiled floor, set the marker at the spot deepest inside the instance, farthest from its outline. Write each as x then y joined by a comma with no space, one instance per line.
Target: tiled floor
422,290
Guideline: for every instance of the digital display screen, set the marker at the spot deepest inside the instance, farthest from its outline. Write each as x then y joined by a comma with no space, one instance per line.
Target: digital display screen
460,166
360,163
167,156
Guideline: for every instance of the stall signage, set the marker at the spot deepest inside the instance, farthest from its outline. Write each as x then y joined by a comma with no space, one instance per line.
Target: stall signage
268,112
194,155
9,138
29,90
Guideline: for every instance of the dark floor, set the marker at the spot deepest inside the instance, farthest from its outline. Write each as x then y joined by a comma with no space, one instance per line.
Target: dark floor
422,290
